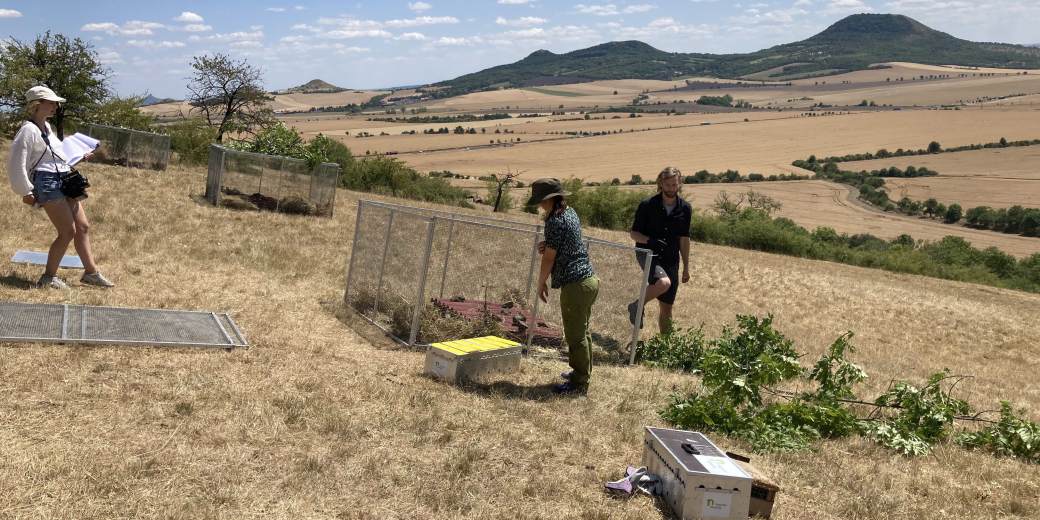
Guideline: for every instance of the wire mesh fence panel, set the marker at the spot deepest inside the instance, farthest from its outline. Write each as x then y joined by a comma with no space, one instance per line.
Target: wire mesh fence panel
276,183
481,274
131,148
324,180
622,278
366,260
402,272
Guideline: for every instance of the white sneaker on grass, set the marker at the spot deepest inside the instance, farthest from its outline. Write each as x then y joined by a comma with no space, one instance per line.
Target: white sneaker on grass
51,282
96,279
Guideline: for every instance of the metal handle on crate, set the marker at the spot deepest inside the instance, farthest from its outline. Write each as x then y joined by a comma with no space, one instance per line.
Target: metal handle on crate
689,448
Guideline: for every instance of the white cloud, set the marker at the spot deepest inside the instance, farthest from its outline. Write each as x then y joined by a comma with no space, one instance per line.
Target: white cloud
189,17
847,6
638,8
803,3
197,27
10,13
422,20
131,28
524,21
230,37
514,2
151,44
339,34
411,36
419,6
246,44
109,57
275,9
598,9
664,26
461,41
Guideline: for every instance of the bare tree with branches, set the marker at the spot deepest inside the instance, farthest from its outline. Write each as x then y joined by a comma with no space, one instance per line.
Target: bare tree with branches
500,183
229,94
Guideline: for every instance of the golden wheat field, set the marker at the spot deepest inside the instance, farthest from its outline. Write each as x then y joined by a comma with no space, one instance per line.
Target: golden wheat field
323,418
763,146
999,178
816,203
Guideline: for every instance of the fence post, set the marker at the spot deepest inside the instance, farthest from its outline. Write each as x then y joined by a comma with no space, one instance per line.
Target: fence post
129,150
353,251
382,261
639,307
447,254
431,226
534,259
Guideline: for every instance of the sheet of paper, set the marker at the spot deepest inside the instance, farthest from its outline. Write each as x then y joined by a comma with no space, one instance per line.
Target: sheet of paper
75,146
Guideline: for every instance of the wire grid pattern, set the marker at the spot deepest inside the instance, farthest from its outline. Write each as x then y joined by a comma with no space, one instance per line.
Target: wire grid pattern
270,181
131,148
402,255
26,322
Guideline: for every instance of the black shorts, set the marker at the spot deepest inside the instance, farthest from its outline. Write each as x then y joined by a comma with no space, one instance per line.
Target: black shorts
660,270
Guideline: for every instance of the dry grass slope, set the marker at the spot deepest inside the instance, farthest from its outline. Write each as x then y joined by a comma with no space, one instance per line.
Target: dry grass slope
316,421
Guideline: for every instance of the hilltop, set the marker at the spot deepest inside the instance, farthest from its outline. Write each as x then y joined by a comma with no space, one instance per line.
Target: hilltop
853,43
314,86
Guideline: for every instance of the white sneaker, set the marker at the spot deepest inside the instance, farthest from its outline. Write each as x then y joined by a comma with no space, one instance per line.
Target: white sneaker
51,282
96,279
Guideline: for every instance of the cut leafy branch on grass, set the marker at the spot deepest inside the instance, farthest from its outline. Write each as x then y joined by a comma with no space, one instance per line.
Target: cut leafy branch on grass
740,366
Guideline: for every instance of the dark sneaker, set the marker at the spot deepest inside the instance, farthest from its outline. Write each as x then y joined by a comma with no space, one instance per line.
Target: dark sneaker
569,388
51,282
567,375
633,309
96,279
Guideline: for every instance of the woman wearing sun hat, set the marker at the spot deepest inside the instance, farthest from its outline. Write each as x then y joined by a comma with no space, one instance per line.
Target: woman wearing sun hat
35,166
565,260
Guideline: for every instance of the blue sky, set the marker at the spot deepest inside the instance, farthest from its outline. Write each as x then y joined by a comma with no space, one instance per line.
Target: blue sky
148,45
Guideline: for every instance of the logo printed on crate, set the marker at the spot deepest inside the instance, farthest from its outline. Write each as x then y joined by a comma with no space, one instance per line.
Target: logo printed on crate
716,504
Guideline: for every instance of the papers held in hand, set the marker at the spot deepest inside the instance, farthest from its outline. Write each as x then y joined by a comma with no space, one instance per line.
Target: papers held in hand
75,146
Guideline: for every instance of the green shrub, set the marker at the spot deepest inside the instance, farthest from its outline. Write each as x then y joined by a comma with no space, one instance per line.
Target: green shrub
190,139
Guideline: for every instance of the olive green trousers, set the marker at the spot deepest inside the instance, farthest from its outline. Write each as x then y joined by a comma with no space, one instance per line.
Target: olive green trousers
576,301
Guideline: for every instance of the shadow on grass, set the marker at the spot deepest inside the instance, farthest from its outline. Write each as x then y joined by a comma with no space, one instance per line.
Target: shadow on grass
510,390
17,282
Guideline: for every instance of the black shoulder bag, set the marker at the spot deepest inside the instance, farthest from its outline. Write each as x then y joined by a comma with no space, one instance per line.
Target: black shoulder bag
72,184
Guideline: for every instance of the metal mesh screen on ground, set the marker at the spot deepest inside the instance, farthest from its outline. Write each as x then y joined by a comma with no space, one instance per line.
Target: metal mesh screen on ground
256,181
131,148
424,276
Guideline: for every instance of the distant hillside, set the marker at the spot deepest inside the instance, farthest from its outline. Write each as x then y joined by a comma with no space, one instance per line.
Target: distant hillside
314,86
150,100
852,43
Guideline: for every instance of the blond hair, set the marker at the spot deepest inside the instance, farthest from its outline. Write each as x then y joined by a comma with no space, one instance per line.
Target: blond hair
30,107
668,173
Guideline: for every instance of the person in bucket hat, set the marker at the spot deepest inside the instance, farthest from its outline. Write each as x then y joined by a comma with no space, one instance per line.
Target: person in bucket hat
565,263
35,166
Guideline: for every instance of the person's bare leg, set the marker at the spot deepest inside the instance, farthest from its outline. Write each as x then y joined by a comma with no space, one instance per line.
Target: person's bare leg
664,319
61,216
659,287
82,237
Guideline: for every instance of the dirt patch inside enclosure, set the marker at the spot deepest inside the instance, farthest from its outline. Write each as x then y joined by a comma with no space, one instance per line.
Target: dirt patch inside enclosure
514,319
292,205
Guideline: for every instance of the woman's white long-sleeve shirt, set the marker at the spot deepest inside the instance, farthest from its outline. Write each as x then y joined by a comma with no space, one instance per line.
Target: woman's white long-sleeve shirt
28,149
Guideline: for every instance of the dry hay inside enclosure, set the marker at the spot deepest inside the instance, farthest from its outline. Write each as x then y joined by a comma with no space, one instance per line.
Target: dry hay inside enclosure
283,430
762,146
816,203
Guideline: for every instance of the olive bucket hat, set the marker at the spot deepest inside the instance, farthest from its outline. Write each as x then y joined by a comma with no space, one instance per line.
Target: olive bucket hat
542,189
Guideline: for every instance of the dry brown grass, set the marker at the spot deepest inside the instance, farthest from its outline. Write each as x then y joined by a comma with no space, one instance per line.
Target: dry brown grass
318,421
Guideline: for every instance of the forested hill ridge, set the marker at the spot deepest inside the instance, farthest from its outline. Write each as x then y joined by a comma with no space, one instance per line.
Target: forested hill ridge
853,43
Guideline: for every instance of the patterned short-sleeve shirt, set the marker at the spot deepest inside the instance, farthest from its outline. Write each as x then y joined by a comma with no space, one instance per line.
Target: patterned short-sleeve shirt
563,234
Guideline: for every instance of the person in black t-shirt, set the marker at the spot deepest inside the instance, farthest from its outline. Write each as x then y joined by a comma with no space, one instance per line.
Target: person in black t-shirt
662,225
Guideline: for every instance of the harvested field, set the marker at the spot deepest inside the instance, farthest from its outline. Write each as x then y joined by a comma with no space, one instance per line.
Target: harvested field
758,146
818,203
285,428
998,178
281,103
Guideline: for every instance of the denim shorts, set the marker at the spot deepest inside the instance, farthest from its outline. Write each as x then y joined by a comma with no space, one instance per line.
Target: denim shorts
47,187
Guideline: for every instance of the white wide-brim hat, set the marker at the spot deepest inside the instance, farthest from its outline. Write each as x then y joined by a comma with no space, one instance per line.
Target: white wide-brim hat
42,92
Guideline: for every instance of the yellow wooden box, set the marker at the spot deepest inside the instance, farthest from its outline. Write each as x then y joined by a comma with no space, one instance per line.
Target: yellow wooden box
472,358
